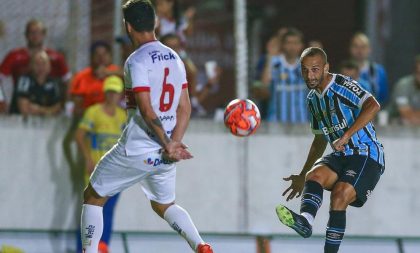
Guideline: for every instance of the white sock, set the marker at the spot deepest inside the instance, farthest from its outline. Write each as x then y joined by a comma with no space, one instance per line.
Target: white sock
181,222
92,224
308,217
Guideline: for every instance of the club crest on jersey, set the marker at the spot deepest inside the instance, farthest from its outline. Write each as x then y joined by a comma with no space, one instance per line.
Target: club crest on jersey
158,56
334,128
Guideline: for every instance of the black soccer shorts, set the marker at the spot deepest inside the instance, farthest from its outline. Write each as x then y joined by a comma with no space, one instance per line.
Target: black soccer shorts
360,171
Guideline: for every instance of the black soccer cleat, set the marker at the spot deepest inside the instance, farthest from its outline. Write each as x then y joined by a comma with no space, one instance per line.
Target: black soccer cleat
295,221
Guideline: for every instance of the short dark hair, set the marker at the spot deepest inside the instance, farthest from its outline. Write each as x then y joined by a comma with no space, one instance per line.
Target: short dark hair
100,43
312,51
291,31
140,14
348,64
35,22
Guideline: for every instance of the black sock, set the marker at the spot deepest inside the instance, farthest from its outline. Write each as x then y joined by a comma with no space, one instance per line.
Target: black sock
335,231
311,197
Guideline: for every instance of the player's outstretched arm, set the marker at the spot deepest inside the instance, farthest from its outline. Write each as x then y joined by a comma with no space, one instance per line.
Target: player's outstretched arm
175,150
369,110
315,152
183,114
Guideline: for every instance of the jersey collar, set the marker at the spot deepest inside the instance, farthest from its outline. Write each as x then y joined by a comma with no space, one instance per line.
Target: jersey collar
320,95
147,43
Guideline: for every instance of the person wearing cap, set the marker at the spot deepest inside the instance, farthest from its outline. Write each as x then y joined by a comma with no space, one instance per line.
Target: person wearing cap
97,132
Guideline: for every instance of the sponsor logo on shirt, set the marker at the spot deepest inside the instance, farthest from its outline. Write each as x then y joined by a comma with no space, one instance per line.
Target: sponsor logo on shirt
353,87
156,161
334,128
169,118
158,56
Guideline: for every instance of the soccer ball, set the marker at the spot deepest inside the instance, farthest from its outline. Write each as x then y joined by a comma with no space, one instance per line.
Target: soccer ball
242,117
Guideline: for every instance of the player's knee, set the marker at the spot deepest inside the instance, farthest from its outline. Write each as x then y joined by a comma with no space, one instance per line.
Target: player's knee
91,197
317,176
342,195
160,209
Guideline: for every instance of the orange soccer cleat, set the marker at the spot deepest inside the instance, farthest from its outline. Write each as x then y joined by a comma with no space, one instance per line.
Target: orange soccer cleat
103,247
204,248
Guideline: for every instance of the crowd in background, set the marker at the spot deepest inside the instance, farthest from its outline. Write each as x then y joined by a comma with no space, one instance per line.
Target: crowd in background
280,90
35,79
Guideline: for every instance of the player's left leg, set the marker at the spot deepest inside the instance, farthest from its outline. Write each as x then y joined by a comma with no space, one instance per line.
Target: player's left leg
92,220
341,196
159,188
179,219
355,184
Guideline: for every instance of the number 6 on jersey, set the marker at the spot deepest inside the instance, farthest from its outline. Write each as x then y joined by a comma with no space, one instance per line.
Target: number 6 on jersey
167,94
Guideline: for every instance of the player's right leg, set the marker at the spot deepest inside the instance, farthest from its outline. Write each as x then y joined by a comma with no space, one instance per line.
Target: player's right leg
91,220
320,177
114,173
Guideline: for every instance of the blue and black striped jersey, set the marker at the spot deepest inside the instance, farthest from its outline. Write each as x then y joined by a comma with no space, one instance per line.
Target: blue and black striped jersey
288,92
336,109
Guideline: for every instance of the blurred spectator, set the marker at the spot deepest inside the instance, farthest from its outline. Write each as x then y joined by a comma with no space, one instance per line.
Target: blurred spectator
287,87
208,89
351,69
173,41
98,131
273,48
198,91
259,89
126,47
17,61
315,43
38,93
371,72
86,89
172,21
407,96
87,85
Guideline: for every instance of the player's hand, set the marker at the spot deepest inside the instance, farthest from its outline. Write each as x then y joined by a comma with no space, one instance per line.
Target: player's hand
175,151
339,144
295,190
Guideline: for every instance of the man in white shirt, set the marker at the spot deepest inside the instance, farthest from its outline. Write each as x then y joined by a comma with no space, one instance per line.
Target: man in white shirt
159,110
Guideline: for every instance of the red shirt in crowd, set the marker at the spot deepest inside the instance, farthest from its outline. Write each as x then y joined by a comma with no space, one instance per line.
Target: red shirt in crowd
16,63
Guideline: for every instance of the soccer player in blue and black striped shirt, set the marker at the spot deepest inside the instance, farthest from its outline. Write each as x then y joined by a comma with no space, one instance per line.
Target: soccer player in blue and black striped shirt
341,113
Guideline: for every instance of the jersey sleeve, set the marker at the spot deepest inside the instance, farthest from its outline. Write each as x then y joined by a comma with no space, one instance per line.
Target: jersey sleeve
184,80
6,65
62,68
87,122
352,93
139,75
316,129
76,88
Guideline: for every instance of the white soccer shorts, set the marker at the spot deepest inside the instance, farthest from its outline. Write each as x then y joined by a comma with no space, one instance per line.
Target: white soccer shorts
116,172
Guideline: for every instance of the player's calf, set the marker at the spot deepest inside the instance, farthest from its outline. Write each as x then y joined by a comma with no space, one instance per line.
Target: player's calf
341,196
